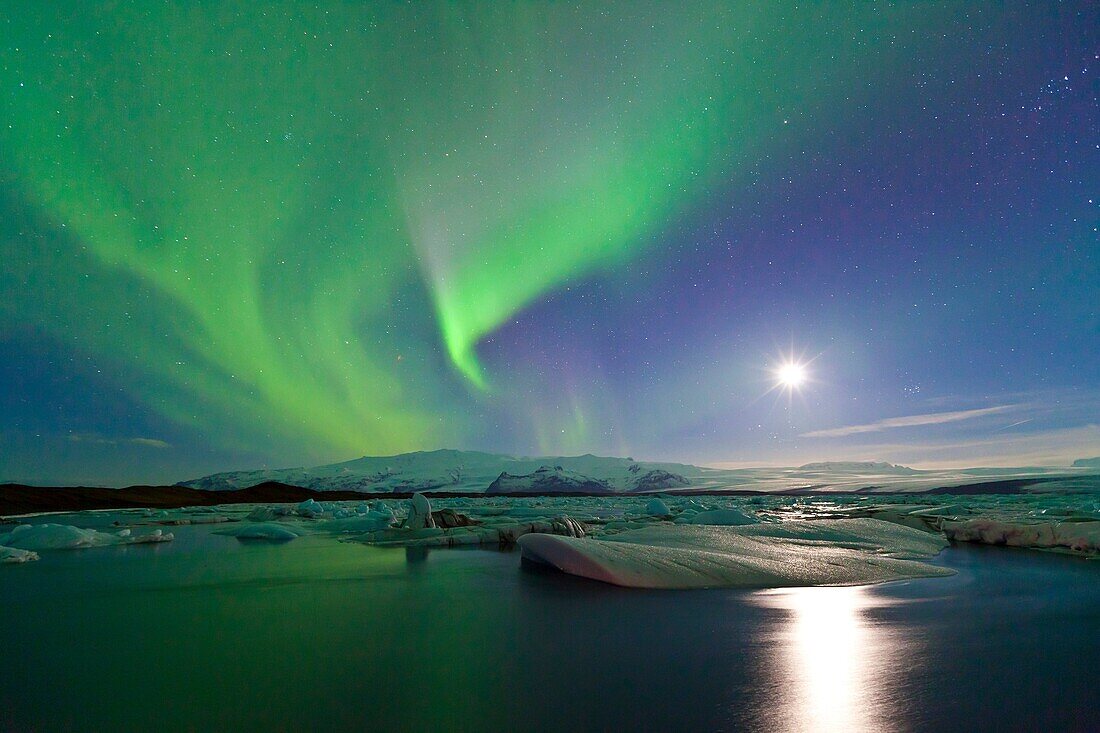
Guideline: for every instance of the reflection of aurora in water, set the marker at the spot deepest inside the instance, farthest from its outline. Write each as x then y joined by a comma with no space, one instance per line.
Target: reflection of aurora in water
834,663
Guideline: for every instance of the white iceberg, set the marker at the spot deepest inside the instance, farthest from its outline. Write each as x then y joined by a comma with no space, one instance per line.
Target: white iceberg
420,513
772,555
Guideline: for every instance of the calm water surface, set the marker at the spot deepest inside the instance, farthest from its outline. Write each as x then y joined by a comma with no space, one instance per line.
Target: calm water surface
210,633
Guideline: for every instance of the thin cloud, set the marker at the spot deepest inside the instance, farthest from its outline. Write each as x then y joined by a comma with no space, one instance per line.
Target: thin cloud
149,442
1057,447
100,440
1018,422
934,418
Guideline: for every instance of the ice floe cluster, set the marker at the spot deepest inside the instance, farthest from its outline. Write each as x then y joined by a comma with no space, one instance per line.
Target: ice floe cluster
25,541
646,541
1069,524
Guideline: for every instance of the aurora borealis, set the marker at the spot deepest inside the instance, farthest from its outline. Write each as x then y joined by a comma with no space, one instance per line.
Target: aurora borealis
237,236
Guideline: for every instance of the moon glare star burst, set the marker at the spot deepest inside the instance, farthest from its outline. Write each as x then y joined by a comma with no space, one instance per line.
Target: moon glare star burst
791,375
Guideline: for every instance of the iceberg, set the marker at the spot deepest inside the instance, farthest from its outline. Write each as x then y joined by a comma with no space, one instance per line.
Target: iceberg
420,513
266,513
773,555
722,517
1077,537
657,508
310,509
264,531
67,537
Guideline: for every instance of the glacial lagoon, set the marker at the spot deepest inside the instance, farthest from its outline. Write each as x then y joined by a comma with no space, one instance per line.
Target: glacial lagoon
212,632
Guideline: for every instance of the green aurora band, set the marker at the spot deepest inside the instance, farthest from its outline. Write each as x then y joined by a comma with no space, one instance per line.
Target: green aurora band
244,214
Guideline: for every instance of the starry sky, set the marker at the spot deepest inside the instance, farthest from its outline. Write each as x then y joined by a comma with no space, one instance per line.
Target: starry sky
238,236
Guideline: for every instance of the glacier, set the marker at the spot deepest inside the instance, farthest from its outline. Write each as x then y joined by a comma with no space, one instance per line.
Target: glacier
473,471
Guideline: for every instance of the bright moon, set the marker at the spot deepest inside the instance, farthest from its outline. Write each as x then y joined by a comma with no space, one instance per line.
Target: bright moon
791,375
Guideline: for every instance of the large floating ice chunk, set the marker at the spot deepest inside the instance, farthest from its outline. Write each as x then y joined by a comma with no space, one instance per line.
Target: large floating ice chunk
1080,537
67,537
781,554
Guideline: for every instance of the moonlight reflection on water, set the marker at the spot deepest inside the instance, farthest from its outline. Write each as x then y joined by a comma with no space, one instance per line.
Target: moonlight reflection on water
832,660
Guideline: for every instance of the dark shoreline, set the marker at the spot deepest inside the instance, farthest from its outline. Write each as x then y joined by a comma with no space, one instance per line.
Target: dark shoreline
21,499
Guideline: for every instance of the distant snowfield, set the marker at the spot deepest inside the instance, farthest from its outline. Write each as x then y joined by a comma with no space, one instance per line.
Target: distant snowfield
642,541
472,471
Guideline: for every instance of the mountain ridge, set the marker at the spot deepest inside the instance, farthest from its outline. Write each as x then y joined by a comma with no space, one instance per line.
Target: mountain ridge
455,470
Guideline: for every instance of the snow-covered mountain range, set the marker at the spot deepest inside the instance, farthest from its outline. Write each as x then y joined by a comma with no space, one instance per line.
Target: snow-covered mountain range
473,471
454,470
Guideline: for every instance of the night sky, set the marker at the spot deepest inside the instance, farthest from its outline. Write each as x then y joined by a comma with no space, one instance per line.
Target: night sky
236,236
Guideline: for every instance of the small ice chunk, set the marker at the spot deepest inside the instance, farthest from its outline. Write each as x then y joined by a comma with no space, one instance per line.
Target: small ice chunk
383,510
263,513
15,555
723,518
657,508
567,527
310,508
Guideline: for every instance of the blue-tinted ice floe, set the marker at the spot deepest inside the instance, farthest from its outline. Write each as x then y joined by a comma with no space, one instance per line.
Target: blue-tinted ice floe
15,555
66,537
263,531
